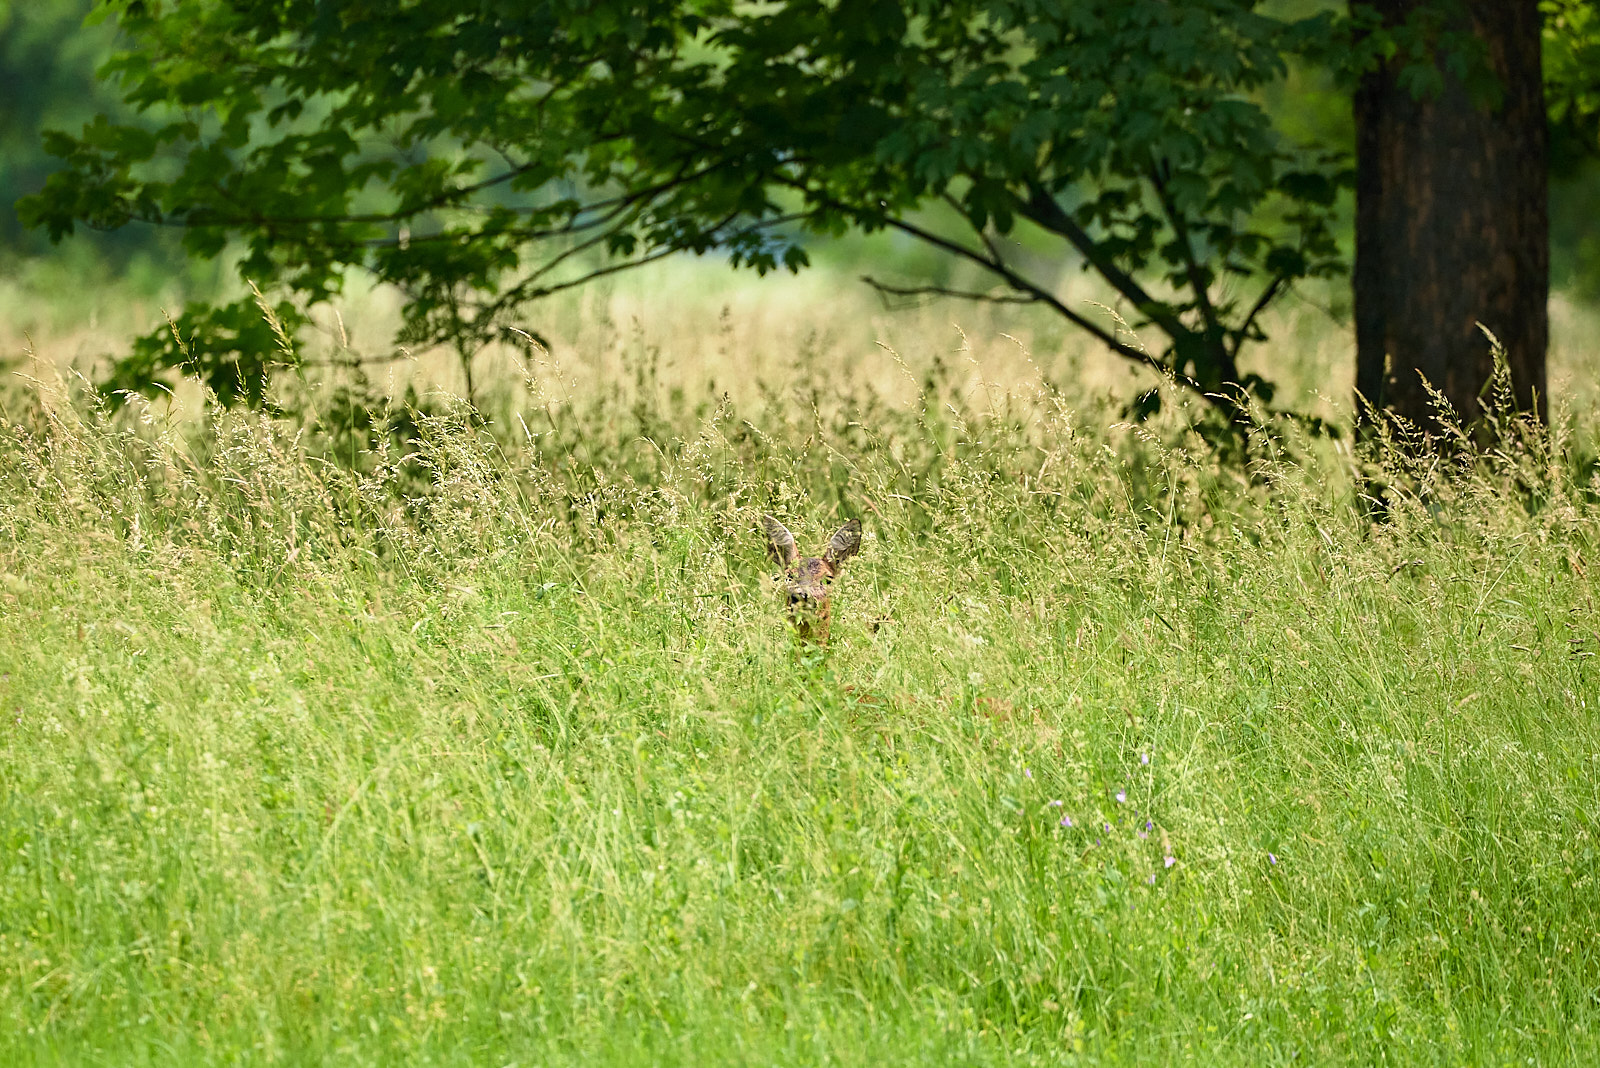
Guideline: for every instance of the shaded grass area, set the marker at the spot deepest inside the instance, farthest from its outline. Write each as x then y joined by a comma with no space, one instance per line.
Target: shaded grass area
487,745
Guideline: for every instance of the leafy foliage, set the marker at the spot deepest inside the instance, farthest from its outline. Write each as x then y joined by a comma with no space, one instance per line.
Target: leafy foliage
481,155
1572,78
47,65
1572,87
244,344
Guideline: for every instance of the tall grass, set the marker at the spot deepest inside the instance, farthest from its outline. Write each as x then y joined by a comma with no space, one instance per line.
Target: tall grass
449,737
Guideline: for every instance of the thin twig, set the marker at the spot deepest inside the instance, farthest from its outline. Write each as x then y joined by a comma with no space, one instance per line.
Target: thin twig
1191,267
1268,295
945,291
1042,209
1023,285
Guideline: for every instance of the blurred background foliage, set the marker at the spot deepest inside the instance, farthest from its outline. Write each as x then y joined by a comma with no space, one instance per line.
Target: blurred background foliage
48,59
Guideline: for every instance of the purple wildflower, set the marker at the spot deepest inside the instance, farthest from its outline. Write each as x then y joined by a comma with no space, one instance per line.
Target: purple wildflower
1028,772
1066,821
1122,797
1144,758
1272,857
1171,860
1152,879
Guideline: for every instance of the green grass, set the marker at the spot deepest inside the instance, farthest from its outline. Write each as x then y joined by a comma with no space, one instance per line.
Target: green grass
492,748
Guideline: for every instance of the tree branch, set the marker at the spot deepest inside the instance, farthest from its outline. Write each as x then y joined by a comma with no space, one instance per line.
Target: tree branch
945,291
257,219
1041,208
526,290
988,242
610,204
1197,282
1023,285
599,272
1268,295
628,217
615,208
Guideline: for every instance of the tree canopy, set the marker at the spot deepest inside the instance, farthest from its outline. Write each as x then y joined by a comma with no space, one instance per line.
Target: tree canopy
471,153
481,154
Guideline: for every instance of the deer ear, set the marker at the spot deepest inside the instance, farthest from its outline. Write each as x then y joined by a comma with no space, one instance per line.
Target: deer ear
844,544
780,543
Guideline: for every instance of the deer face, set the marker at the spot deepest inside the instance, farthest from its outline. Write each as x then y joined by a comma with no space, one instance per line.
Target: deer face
806,579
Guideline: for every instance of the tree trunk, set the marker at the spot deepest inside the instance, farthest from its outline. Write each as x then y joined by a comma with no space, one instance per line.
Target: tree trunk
1452,227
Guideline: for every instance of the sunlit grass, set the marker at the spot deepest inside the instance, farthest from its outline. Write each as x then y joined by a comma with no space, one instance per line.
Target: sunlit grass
486,744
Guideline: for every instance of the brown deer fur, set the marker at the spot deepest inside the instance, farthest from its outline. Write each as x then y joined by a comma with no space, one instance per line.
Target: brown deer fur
806,579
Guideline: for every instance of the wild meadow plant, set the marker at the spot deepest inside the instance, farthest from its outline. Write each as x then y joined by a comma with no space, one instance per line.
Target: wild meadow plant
377,735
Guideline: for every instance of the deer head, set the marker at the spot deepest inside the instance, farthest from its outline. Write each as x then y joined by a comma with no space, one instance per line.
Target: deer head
806,579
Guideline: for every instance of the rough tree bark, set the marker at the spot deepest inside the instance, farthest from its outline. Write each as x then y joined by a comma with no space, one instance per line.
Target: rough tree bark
1452,227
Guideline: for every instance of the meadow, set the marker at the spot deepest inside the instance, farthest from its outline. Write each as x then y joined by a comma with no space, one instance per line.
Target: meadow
382,730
